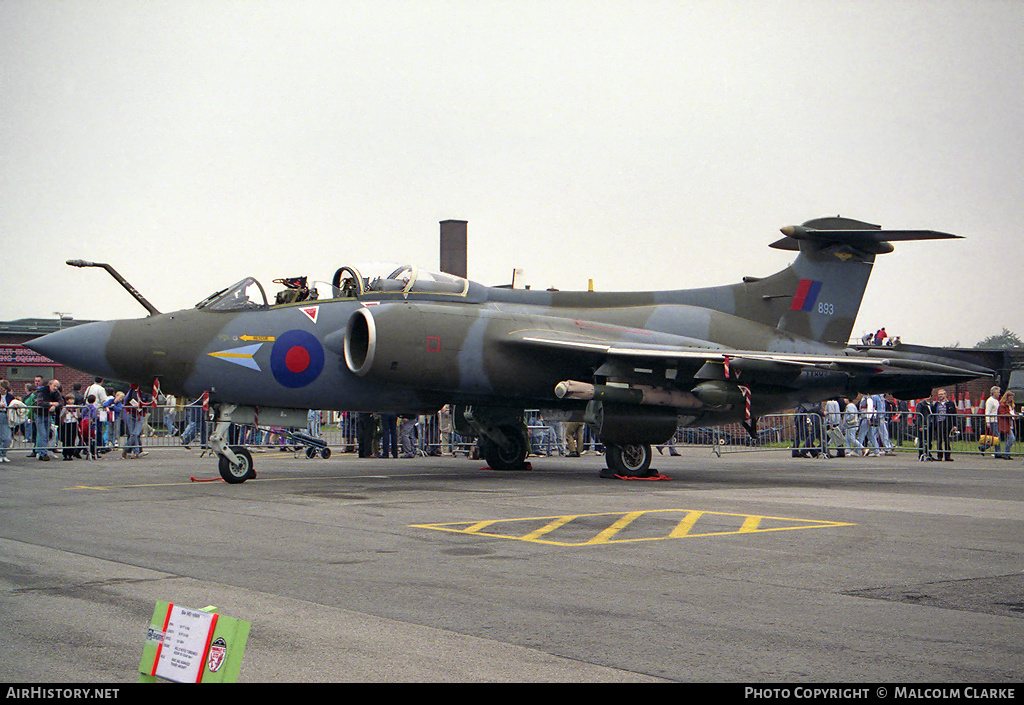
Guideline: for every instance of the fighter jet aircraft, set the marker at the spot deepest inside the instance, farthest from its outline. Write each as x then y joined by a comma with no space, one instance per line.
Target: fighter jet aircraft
633,365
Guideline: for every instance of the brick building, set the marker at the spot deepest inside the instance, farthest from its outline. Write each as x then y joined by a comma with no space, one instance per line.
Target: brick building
19,365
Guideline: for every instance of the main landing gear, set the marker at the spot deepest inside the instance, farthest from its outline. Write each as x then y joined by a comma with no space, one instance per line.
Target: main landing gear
504,439
509,454
627,460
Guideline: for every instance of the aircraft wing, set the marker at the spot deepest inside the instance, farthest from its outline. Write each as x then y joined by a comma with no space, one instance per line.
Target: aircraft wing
697,354
754,359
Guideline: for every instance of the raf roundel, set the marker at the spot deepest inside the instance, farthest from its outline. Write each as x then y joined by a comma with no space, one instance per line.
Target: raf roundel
296,359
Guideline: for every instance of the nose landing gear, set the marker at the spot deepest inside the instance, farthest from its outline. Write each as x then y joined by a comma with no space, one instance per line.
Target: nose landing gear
238,470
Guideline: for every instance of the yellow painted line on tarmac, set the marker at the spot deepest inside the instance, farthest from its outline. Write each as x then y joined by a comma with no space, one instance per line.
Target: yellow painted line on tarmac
125,487
750,524
617,526
479,526
684,526
627,527
212,479
548,528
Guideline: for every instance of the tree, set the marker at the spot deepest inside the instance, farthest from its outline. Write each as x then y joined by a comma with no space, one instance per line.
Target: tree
1006,339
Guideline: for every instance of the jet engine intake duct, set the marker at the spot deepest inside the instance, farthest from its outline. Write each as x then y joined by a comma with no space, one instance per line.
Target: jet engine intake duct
360,341
391,344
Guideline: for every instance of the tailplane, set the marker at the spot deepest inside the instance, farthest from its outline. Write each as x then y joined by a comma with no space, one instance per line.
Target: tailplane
819,295
844,231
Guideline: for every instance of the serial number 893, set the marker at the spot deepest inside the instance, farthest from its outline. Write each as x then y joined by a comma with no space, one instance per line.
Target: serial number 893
827,309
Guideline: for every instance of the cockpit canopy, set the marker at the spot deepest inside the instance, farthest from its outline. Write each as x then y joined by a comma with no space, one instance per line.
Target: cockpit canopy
348,282
246,295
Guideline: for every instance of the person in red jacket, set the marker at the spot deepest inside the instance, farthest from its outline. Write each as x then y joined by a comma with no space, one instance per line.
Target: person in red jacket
1007,423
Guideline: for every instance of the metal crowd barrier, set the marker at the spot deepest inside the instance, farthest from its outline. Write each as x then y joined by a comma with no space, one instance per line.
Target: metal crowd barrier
808,434
72,433
799,433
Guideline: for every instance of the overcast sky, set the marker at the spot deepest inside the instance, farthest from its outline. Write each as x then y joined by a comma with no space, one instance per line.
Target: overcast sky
646,145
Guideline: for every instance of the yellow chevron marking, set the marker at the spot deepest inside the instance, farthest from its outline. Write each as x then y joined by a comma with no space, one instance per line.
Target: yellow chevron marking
627,527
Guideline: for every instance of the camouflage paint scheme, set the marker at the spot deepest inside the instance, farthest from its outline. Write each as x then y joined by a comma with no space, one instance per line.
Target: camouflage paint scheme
411,342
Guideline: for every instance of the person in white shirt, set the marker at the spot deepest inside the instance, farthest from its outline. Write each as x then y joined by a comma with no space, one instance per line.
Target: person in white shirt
868,434
833,427
850,424
5,426
97,390
991,419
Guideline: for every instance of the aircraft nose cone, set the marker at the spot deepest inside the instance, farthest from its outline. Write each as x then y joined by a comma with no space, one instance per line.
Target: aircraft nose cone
82,347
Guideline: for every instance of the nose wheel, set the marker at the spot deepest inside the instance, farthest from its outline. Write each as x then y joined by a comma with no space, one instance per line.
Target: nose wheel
239,470
233,462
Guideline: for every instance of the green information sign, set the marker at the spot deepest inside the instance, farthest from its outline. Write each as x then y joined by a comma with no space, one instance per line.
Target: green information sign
187,645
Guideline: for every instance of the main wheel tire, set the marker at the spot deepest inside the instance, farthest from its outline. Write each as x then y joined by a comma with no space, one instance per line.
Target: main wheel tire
633,460
514,458
241,471
325,452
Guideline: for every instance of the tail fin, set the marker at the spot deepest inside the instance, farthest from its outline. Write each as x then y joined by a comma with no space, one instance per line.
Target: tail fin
819,295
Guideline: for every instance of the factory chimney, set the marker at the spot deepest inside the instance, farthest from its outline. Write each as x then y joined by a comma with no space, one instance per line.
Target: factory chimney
453,247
